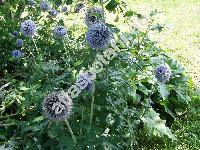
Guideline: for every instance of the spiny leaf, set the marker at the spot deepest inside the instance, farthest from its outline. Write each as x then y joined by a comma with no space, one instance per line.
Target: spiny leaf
155,125
164,92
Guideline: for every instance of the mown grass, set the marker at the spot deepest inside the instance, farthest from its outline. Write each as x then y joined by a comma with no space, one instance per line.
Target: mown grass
182,32
182,37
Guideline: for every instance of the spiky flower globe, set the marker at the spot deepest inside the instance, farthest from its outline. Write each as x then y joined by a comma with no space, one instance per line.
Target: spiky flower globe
93,16
15,33
19,42
78,8
57,106
64,9
16,54
85,82
99,36
44,6
53,13
58,3
28,28
59,32
163,73
31,3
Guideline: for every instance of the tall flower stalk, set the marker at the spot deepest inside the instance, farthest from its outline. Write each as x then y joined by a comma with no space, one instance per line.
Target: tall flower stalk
71,132
101,3
92,110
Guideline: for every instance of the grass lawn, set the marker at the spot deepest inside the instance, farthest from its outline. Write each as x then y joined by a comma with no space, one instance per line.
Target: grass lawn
182,33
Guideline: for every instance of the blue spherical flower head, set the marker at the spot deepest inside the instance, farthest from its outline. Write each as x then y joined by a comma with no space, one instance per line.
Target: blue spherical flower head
15,33
99,36
64,9
28,28
31,3
93,16
59,32
85,82
57,106
16,54
53,13
78,8
44,6
163,73
58,3
19,42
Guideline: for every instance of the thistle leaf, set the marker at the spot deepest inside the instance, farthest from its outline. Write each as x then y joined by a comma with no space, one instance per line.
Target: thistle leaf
155,125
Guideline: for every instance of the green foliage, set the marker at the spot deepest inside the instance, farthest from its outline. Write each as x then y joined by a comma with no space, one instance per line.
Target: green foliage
111,6
156,126
127,97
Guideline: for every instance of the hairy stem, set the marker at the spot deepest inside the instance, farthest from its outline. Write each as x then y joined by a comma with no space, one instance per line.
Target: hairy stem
71,132
91,110
101,2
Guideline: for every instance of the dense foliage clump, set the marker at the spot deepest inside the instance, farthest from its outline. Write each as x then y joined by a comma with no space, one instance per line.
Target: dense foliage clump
130,97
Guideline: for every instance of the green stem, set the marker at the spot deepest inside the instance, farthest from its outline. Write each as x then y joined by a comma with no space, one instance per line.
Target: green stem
71,132
138,44
11,124
7,116
101,2
91,110
82,116
35,46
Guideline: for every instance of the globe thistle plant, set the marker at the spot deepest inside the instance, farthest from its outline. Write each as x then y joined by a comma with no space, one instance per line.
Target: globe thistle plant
78,8
19,42
85,82
16,54
59,32
44,6
57,106
53,13
93,16
163,73
99,36
28,28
